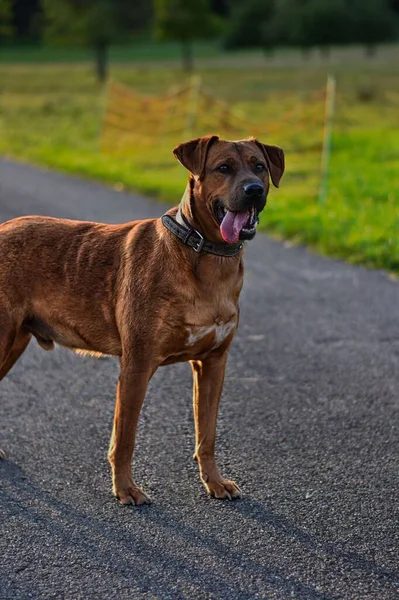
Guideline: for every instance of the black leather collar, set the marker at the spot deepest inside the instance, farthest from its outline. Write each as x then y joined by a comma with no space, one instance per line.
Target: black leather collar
193,238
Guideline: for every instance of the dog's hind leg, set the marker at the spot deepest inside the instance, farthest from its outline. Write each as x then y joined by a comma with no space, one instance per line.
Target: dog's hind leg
19,344
12,345
7,336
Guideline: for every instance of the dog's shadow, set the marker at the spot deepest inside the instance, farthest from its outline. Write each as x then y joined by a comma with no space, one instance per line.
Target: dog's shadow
154,564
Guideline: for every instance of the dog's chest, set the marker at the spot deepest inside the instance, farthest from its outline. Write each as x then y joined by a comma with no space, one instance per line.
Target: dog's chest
208,320
211,320
216,334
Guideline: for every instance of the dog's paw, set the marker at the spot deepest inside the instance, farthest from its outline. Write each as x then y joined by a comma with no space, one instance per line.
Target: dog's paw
223,488
131,494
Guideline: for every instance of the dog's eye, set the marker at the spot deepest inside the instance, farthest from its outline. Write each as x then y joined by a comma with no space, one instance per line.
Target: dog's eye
260,167
223,169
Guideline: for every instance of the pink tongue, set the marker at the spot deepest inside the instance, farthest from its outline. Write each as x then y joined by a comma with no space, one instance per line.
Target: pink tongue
232,224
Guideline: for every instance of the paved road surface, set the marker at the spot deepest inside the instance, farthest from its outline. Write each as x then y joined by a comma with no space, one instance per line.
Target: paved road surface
308,427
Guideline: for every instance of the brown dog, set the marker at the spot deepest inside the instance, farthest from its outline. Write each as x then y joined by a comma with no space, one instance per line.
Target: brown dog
151,292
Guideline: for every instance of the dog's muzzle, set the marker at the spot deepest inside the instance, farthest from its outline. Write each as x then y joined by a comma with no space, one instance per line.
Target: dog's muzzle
236,225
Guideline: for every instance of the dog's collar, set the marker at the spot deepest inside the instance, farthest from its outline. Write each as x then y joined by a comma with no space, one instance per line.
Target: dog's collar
182,229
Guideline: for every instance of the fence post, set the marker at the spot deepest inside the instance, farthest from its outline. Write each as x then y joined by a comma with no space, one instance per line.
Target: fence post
193,107
327,134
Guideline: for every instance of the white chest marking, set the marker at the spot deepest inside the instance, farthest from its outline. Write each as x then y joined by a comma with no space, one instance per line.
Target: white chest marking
222,331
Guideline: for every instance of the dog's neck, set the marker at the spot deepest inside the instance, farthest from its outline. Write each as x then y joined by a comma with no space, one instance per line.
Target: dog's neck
184,226
186,205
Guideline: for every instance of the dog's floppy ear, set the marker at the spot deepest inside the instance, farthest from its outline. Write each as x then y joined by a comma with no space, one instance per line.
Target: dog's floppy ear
275,161
192,154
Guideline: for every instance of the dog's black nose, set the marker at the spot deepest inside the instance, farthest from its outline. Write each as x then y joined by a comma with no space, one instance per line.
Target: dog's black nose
254,189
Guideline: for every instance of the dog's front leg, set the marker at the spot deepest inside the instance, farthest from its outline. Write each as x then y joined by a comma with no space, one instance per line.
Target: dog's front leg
131,390
208,376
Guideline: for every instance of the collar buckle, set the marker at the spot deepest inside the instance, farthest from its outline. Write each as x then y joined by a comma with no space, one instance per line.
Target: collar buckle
200,244
197,246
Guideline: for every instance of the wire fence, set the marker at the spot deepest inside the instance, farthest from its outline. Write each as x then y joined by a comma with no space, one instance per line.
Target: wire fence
191,111
131,121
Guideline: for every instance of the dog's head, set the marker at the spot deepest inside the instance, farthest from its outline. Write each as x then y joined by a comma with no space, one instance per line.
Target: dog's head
230,183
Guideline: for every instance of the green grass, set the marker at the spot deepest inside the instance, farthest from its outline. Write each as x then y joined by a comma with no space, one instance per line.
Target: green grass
51,114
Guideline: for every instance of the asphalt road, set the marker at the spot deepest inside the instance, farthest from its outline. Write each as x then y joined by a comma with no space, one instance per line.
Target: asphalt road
308,428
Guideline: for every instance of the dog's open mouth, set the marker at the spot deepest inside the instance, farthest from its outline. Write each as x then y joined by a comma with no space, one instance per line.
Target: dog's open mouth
236,226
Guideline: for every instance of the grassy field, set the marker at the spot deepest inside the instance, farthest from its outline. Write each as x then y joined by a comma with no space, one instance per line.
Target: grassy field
51,114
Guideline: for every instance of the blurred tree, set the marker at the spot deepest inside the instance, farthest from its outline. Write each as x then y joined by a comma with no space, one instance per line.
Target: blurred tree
372,22
311,23
6,25
96,23
250,25
26,19
285,27
185,21
324,24
220,7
